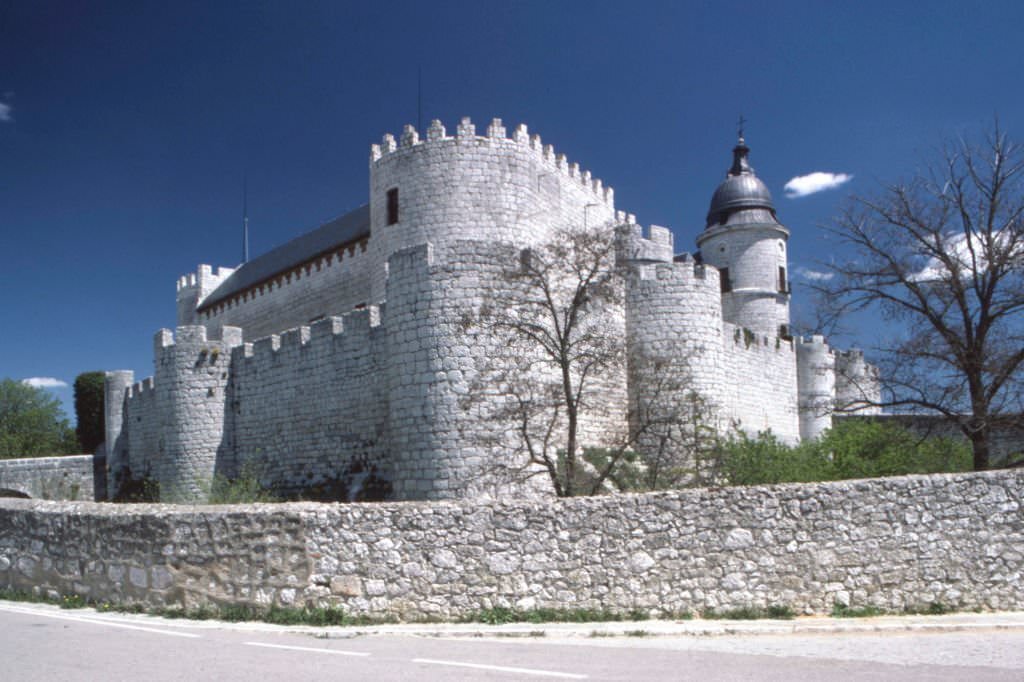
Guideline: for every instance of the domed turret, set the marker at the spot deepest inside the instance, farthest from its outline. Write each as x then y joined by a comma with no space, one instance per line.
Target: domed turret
741,190
746,242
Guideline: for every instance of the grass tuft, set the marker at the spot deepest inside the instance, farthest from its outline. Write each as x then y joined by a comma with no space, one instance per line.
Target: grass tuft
774,612
840,610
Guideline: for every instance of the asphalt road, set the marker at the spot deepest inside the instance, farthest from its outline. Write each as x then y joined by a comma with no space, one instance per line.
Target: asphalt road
43,643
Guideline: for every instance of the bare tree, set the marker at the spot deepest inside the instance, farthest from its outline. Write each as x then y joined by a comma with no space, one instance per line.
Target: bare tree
674,427
942,256
554,316
555,390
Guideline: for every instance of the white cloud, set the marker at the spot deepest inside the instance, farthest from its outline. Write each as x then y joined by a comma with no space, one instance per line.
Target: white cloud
812,183
5,112
958,248
44,382
814,275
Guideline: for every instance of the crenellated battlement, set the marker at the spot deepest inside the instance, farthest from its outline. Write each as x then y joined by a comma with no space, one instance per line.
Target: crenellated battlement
196,334
324,335
496,138
204,278
814,342
659,274
636,244
142,389
742,339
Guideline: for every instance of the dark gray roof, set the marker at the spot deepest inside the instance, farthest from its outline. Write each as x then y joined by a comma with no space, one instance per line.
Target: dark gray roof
329,236
741,189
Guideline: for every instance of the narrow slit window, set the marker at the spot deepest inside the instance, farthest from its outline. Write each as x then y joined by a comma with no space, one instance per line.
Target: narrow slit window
783,288
726,282
392,206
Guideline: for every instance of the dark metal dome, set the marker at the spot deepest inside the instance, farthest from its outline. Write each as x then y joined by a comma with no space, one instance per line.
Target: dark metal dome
740,190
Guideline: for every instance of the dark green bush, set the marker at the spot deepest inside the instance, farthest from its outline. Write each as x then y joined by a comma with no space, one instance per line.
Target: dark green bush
90,428
851,449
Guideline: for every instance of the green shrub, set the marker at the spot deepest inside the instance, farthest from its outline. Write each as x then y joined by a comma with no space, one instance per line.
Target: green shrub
853,448
243,489
90,427
774,612
840,610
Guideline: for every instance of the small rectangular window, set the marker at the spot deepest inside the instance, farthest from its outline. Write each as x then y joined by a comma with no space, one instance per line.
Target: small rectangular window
392,206
726,282
784,332
783,285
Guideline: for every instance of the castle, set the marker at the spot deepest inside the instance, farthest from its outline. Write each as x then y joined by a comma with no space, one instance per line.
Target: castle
338,358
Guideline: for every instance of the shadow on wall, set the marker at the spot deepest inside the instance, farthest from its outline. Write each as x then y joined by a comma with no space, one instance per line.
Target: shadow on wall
7,492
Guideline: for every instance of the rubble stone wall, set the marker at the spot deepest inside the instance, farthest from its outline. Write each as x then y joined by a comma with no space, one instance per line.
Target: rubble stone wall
895,543
48,478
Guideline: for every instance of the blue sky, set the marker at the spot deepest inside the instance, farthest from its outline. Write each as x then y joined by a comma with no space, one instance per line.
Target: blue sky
126,129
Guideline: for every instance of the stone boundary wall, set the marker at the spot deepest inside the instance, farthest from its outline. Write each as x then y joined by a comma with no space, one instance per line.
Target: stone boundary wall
956,539
69,477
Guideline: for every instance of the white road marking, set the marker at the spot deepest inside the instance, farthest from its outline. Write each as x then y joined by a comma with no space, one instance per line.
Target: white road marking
96,621
502,668
307,648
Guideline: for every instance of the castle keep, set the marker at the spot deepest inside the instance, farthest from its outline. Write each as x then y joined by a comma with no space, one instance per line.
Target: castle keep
341,359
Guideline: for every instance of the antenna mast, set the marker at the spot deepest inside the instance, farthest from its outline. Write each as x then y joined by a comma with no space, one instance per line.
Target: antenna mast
245,218
419,98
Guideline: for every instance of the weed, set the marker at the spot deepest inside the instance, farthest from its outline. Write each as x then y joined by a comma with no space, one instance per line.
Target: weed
499,615
780,612
775,612
675,615
933,609
840,610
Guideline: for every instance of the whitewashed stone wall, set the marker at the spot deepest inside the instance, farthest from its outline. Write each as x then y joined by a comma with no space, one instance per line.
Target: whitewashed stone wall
761,383
856,381
893,543
386,393
674,324
816,376
753,253
144,433
468,186
332,285
49,478
309,406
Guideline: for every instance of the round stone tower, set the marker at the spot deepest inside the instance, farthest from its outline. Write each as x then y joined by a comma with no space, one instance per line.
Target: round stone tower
747,243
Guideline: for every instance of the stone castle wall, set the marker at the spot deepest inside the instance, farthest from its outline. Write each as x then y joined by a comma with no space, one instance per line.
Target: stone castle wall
467,186
892,543
380,392
816,374
674,324
753,253
333,284
761,383
384,393
310,407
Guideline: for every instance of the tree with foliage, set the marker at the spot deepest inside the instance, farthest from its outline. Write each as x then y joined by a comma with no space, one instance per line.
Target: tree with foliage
32,423
853,448
942,257
90,427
